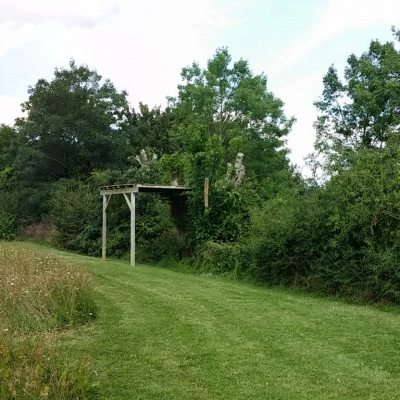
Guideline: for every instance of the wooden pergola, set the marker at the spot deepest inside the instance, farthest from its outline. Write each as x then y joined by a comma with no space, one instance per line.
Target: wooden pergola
129,192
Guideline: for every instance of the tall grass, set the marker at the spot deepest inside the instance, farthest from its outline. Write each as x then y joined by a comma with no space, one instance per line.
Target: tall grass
40,296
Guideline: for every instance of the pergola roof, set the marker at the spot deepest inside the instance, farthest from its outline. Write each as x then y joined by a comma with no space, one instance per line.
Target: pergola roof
140,188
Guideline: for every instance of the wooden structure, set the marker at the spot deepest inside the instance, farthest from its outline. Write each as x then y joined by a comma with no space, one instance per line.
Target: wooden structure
129,191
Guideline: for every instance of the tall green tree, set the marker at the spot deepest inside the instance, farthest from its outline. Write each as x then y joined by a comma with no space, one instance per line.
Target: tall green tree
153,129
362,110
75,123
8,152
222,110
228,102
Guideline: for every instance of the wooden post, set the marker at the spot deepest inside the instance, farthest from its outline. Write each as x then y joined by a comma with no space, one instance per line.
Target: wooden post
206,185
133,222
104,230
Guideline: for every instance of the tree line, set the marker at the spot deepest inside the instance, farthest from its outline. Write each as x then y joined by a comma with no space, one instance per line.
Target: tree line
336,232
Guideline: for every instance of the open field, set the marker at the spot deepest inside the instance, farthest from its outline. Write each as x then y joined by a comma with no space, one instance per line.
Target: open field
167,335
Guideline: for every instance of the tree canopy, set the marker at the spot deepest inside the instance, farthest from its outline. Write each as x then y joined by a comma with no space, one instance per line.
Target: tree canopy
364,109
227,102
74,124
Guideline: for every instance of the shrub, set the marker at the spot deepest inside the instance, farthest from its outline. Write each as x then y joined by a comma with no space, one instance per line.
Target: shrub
8,229
341,239
283,239
222,258
76,214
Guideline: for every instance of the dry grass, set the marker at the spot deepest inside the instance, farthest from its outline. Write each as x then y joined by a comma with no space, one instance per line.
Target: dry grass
41,295
40,292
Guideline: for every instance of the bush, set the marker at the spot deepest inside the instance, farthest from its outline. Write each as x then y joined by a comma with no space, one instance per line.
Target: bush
341,239
226,219
222,259
76,215
283,239
8,229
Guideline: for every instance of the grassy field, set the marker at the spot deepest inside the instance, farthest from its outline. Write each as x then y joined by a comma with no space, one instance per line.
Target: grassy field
42,298
168,335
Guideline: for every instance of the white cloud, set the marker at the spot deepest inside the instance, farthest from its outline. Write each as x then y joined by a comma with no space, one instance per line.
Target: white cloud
15,35
10,109
299,95
339,17
22,20
145,46
22,11
140,45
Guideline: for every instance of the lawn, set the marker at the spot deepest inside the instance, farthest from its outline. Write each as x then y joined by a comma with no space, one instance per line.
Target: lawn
168,335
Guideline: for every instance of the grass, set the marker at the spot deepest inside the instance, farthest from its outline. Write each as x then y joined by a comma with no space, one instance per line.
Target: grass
162,334
41,296
40,292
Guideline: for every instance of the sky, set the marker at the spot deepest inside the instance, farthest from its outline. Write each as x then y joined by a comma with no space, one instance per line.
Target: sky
142,46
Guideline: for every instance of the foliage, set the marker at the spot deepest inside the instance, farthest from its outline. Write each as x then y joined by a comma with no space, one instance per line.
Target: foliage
363,110
222,110
74,125
283,238
217,258
76,214
362,206
225,220
340,239
233,107
8,229
152,129
8,151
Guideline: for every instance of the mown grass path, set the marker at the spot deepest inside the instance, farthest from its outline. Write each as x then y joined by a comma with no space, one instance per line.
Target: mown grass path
168,335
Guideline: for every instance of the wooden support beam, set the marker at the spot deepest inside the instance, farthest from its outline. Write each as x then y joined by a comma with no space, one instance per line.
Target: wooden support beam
206,189
106,200
133,223
127,200
118,190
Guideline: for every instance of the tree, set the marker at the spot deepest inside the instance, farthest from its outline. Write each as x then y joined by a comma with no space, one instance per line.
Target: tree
74,125
365,108
220,111
152,128
233,105
7,146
